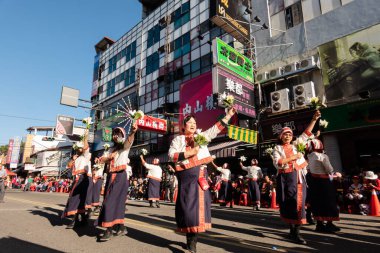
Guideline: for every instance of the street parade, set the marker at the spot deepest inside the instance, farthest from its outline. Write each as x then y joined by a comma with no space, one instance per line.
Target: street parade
212,126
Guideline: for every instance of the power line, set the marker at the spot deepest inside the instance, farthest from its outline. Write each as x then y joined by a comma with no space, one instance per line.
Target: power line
19,117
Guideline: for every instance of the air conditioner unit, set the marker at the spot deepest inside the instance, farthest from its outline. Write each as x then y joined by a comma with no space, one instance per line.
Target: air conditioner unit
277,72
280,100
308,63
262,76
302,94
291,67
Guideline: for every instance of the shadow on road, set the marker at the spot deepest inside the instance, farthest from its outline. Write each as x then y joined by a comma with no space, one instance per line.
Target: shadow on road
11,244
155,240
54,217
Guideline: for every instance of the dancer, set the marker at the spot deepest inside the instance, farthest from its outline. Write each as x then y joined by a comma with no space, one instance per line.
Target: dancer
225,191
155,178
97,186
193,205
90,187
254,174
291,187
113,207
77,198
322,189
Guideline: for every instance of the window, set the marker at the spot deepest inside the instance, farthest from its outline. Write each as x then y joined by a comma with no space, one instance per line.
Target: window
182,15
129,52
152,63
293,15
153,36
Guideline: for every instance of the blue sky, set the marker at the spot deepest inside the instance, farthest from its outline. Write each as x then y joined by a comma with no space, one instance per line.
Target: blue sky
45,44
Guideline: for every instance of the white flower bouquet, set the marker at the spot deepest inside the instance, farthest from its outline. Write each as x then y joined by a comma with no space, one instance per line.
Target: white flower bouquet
316,103
143,151
106,146
136,115
87,121
323,124
227,100
77,145
243,158
200,139
300,145
269,151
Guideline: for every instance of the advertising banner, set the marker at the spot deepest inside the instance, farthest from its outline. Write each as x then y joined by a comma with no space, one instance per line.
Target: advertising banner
228,57
351,65
196,98
232,17
65,125
15,153
28,149
242,91
152,124
9,153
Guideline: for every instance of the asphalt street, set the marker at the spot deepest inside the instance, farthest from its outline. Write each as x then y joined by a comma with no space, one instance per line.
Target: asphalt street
30,222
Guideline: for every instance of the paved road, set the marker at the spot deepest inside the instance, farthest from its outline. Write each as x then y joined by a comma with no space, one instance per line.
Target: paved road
30,222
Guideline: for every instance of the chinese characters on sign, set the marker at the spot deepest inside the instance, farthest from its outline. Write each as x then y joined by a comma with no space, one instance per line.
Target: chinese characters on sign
240,89
277,127
201,104
196,98
149,123
231,59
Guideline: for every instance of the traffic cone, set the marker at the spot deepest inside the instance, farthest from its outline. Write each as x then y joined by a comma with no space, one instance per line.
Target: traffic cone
374,205
273,203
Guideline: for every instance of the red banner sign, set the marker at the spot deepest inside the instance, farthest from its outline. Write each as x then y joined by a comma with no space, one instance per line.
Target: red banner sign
152,124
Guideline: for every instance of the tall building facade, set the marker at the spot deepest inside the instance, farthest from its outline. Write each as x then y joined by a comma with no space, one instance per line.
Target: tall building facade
146,67
329,49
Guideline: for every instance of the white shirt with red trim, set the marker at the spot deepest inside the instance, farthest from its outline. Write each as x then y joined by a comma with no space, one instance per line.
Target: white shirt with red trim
178,146
279,153
154,171
81,164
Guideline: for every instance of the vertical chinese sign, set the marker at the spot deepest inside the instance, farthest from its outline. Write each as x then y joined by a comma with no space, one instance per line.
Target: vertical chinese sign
196,98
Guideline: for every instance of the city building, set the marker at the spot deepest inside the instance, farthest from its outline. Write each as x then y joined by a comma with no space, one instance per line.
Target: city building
324,48
168,50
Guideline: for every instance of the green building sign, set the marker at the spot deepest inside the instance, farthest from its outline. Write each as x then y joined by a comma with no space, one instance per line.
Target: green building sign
231,59
355,115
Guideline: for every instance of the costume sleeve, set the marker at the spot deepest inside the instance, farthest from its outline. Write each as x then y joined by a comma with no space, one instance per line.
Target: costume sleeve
277,158
213,131
219,169
175,153
149,166
244,168
327,165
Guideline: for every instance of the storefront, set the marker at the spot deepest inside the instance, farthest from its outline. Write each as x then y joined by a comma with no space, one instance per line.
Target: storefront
355,128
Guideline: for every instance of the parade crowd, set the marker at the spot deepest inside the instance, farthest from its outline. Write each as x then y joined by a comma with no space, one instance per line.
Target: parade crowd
306,188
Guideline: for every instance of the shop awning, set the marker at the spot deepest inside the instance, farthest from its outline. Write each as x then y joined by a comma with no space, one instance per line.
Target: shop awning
224,149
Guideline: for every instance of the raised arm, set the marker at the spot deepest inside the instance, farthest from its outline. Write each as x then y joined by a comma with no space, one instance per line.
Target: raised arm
311,125
214,165
129,141
142,160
